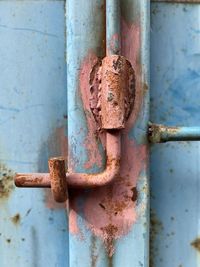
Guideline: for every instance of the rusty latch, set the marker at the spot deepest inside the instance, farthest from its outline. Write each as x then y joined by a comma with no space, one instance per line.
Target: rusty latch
112,87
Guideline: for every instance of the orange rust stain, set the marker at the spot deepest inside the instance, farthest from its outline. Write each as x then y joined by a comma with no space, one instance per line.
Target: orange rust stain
196,244
16,219
91,141
6,182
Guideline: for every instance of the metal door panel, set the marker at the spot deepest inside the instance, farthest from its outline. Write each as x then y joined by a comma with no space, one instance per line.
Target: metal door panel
175,90
33,108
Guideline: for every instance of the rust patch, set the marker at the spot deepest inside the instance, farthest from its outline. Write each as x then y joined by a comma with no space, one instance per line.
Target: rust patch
16,219
135,194
109,232
58,179
196,244
156,131
112,88
6,181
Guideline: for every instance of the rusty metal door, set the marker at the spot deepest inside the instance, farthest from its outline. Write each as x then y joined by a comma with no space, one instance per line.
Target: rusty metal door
45,112
64,66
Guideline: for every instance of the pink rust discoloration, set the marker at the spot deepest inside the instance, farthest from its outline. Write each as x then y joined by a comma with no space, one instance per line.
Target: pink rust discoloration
131,43
91,144
73,222
110,211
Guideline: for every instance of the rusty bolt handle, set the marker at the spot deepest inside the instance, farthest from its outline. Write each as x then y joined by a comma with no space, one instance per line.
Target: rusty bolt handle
115,83
58,180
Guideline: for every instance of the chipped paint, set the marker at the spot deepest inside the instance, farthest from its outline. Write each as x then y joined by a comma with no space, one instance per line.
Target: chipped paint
16,219
196,244
6,182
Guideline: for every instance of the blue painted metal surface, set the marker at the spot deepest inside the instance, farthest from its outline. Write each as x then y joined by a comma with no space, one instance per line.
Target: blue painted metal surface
113,29
33,105
85,35
175,94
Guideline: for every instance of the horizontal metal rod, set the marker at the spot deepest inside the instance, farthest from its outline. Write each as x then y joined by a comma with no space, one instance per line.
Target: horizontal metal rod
82,180
178,1
159,133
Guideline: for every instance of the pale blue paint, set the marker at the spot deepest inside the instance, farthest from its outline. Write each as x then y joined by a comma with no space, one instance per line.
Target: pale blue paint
113,19
33,100
175,91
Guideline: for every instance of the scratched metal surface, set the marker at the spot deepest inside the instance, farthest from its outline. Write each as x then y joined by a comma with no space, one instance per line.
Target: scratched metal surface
97,236
175,92
33,106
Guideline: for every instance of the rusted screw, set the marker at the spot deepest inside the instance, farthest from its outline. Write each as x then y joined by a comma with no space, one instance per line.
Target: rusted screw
58,179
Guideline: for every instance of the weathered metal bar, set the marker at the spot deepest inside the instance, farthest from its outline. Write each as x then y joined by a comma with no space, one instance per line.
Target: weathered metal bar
113,39
80,180
178,1
159,133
